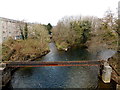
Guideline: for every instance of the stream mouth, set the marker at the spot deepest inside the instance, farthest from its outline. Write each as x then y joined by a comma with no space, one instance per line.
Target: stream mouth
59,77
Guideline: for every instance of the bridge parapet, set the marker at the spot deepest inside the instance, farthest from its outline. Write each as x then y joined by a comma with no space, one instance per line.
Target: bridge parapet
54,63
106,72
2,66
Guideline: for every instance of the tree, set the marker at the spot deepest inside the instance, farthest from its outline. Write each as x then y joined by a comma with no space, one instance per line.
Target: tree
86,28
23,30
26,31
118,31
83,28
69,32
49,27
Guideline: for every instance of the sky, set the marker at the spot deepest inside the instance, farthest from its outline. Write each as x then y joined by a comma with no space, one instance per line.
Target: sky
51,11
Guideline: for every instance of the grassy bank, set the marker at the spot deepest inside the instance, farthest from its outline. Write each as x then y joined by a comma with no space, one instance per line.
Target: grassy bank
35,46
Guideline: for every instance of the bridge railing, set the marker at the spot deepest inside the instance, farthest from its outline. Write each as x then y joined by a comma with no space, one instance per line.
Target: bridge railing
103,65
53,63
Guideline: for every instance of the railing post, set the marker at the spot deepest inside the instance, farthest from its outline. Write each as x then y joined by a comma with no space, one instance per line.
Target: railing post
106,73
2,67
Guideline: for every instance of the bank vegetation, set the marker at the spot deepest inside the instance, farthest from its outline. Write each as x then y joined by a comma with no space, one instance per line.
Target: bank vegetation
89,31
32,45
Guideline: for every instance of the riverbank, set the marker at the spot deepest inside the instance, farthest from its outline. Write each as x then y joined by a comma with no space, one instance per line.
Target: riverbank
108,86
114,62
109,53
7,72
21,50
67,47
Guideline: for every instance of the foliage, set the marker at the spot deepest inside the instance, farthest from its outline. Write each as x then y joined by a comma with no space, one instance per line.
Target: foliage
49,27
90,31
70,32
104,31
82,28
35,44
38,31
26,31
22,34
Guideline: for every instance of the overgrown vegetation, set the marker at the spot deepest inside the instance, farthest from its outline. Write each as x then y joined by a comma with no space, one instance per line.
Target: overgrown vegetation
49,27
103,33
26,31
23,29
69,32
35,44
90,31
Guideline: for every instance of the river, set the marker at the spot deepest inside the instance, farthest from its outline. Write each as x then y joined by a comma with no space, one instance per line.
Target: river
59,76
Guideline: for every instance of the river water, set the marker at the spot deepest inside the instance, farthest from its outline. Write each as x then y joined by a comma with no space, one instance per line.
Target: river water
58,76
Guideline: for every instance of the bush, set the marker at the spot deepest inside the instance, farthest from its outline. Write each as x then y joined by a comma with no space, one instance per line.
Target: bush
70,32
35,44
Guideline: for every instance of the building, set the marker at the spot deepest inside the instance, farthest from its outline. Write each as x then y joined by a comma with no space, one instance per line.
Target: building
9,28
119,9
12,28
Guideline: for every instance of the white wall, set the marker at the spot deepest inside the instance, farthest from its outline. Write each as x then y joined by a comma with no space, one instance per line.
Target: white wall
119,9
